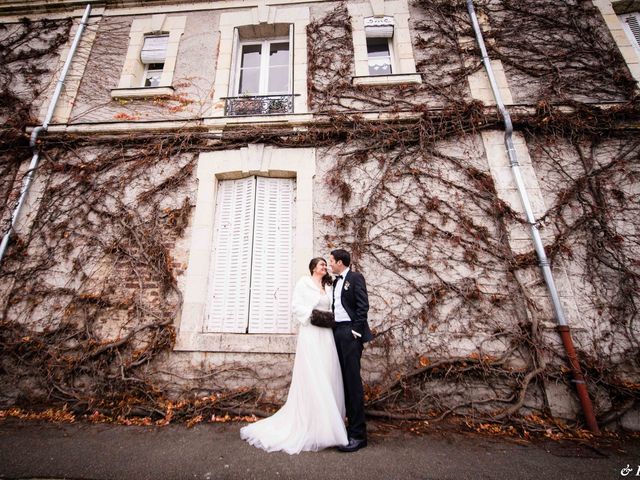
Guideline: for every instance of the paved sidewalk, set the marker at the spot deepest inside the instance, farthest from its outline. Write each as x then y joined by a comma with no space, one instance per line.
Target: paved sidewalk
34,450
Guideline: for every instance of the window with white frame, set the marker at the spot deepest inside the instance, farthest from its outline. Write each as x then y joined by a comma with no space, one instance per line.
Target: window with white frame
631,25
250,282
379,33
382,48
261,80
152,56
264,67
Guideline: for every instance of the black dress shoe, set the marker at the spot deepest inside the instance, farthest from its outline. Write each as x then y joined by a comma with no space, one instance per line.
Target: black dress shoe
353,445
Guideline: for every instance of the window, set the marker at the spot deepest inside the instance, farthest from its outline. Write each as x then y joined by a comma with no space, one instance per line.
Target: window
152,74
199,328
382,48
271,37
264,67
251,278
152,56
262,71
379,32
631,26
379,54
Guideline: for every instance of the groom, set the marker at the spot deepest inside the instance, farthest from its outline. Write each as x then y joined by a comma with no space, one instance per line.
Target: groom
350,306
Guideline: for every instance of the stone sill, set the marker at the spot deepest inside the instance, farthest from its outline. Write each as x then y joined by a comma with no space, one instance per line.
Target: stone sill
141,92
235,342
398,79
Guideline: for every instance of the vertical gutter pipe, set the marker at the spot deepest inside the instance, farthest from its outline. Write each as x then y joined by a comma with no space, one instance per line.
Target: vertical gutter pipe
43,128
563,327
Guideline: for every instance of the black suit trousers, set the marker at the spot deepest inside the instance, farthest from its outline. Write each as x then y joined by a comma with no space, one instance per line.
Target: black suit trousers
349,353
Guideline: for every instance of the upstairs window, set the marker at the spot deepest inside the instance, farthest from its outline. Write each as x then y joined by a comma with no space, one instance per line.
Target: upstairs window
382,48
264,67
152,56
631,25
379,54
379,33
153,74
261,81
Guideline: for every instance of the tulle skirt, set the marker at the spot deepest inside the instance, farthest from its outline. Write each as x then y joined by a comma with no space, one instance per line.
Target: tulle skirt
313,416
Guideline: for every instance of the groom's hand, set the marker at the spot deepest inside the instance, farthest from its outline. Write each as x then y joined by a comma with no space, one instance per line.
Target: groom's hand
357,328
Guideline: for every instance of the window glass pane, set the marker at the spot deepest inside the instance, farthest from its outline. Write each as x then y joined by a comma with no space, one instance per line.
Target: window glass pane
152,77
279,54
250,56
258,78
249,81
379,56
279,79
380,66
378,47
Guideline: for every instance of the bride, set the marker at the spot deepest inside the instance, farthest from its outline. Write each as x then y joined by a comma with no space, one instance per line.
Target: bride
312,417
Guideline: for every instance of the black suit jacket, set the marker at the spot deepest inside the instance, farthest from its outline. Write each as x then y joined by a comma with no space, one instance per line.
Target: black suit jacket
355,301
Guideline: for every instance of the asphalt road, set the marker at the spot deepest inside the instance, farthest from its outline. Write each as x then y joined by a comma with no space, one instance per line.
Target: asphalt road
35,450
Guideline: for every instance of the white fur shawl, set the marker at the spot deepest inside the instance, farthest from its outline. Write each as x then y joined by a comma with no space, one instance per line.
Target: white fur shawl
305,298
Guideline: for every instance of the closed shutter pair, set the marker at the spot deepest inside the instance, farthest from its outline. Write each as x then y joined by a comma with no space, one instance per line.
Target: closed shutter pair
252,264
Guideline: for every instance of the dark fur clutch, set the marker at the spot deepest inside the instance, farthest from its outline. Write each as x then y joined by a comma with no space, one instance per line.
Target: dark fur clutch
322,318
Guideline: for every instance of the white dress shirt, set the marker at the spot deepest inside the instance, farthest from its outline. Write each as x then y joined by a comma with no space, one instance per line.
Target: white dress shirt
339,312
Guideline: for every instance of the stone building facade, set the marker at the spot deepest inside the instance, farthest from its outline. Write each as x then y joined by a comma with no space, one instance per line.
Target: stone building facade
282,129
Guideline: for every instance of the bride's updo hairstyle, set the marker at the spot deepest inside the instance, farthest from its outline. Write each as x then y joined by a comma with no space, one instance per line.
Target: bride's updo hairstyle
326,280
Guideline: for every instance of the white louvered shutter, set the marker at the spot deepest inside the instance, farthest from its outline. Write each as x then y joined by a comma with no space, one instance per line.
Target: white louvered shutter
154,49
631,25
272,271
230,276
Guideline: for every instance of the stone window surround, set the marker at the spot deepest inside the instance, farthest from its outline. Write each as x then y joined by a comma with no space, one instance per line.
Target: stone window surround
404,64
263,14
131,78
256,159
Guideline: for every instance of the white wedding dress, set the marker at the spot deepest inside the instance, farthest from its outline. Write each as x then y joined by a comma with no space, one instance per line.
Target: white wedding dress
312,417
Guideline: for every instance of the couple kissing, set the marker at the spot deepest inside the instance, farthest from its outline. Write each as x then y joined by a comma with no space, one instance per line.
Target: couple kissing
325,384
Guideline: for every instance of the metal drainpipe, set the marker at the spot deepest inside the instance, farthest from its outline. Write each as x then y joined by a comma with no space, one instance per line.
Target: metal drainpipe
43,128
563,327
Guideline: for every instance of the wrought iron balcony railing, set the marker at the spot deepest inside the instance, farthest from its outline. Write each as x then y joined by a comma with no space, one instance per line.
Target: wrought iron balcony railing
258,105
